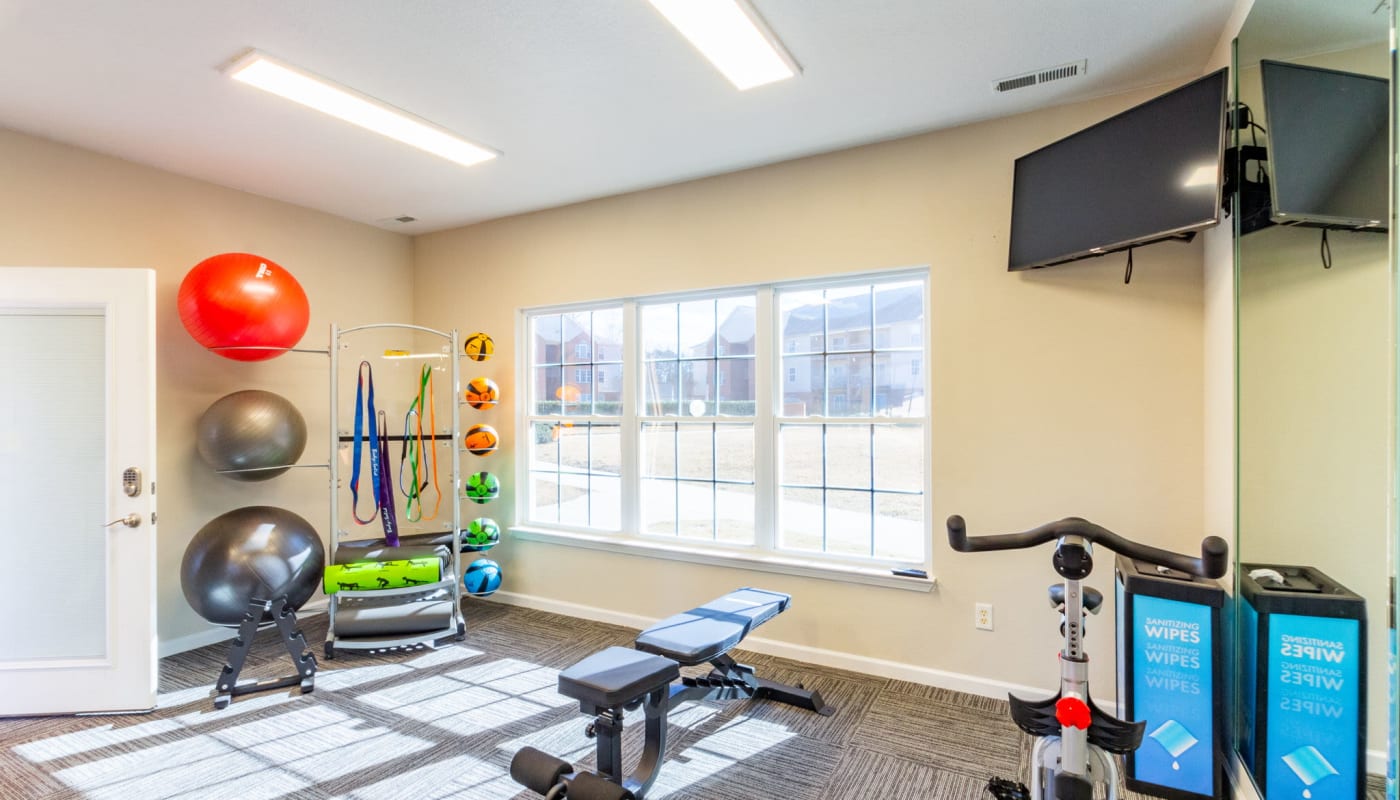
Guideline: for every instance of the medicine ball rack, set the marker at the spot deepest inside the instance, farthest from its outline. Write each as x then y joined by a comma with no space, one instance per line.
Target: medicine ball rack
413,598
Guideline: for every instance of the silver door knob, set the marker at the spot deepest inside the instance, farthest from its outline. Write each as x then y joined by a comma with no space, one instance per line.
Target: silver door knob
130,520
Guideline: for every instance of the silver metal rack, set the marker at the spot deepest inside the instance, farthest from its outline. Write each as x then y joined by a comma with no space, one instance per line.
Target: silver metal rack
427,593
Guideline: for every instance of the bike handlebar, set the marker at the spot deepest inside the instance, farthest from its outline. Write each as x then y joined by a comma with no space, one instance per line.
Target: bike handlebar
1213,562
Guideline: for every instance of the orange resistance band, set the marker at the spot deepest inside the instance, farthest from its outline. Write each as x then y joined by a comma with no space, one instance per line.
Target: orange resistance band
427,448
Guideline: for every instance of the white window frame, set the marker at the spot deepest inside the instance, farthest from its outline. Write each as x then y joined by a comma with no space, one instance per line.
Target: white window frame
763,555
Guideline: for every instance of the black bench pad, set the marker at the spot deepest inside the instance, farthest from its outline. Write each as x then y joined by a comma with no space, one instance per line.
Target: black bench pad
709,631
616,676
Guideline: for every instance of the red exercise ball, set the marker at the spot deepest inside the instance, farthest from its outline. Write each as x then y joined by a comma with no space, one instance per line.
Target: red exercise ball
243,300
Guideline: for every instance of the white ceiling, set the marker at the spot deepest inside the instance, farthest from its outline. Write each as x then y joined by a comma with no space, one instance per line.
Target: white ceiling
1284,29
586,98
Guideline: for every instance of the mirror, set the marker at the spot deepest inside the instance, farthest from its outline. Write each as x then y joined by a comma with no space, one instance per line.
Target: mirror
1315,340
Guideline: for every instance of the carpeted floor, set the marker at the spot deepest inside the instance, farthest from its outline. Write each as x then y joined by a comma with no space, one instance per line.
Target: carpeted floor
445,723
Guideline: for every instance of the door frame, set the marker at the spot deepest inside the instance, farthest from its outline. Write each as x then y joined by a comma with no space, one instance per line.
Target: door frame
125,679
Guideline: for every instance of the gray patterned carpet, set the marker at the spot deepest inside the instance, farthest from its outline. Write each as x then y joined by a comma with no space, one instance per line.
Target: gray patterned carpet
444,723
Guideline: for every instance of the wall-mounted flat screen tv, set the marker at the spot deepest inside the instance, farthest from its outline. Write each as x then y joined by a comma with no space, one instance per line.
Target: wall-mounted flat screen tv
1148,174
1328,139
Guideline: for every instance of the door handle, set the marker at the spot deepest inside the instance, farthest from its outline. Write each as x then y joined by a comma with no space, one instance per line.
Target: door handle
131,520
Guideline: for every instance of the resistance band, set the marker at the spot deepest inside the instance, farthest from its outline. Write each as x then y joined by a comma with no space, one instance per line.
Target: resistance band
386,487
377,440
408,456
419,451
365,376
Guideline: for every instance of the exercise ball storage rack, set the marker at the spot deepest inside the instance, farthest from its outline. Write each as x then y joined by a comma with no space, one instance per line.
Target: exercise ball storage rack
396,608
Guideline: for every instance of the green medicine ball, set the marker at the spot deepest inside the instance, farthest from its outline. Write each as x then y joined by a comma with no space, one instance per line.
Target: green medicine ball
481,534
482,487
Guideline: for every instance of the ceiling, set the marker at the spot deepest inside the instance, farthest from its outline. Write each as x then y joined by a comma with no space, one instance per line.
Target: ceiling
1283,29
585,98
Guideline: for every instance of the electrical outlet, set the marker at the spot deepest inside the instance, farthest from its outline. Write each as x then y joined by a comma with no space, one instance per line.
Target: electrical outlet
983,617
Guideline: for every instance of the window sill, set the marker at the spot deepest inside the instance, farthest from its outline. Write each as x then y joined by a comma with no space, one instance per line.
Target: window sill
807,568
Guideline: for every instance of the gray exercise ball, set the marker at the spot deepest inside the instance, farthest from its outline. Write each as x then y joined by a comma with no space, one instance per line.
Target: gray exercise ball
251,430
259,552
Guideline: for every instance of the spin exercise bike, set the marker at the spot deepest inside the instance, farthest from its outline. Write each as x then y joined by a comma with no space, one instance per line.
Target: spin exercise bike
1075,740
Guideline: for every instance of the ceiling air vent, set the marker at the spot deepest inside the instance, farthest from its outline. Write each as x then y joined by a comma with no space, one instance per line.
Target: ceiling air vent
1071,70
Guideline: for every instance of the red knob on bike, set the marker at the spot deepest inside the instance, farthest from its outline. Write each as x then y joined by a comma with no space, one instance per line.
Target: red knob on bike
1072,713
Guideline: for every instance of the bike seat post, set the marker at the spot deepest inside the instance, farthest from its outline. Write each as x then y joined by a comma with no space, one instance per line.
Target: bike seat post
1073,562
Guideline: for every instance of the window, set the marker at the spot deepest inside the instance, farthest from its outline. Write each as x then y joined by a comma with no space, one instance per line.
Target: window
574,462
843,435
851,447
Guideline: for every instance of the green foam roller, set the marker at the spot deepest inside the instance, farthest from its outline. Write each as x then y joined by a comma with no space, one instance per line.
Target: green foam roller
361,576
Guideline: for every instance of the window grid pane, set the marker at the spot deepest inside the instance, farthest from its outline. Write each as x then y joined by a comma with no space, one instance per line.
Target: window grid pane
699,357
852,351
838,464
695,476
577,364
575,474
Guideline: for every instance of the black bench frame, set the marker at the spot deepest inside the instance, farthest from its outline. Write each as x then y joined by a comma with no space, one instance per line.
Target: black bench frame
727,680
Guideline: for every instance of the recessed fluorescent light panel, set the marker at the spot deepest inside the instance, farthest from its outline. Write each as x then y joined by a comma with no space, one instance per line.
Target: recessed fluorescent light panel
733,37
343,103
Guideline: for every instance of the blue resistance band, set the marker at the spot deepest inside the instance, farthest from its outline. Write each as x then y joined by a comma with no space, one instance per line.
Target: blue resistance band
378,441
365,372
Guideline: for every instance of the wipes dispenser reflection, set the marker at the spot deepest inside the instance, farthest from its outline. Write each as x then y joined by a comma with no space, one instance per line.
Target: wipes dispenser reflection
1303,683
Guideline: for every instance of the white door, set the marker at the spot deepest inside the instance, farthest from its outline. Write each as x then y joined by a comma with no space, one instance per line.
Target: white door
77,410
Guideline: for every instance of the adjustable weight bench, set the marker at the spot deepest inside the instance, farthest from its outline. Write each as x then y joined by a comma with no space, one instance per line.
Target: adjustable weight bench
618,679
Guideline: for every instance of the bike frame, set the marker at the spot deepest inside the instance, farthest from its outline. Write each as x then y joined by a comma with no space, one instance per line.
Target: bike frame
1073,739
1071,752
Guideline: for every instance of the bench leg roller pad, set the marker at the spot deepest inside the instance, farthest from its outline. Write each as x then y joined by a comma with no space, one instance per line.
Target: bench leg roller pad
538,771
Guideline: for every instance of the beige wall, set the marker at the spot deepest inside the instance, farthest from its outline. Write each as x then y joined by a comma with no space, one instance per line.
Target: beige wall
62,206
1056,392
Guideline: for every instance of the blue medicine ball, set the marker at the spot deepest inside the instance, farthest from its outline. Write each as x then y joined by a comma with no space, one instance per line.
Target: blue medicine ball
483,577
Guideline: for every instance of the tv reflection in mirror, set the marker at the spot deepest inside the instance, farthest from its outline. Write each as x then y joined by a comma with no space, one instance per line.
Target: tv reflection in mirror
1328,138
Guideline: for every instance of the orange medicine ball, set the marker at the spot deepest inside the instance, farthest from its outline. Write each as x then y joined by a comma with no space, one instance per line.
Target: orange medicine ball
480,439
482,393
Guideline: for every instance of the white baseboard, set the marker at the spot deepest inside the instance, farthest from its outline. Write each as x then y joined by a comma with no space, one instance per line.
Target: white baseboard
215,634
878,667
1376,762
